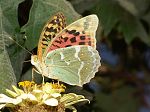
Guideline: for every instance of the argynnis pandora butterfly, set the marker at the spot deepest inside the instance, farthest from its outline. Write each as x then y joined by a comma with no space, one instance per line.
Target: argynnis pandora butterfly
68,54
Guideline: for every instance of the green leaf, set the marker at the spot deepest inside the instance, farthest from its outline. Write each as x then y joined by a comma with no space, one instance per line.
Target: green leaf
17,55
121,100
125,15
83,5
7,76
8,26
146,18
41,11
9,15
133,28
137,8
109,14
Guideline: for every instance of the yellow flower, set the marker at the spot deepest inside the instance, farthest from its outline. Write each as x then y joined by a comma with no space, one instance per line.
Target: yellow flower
46,97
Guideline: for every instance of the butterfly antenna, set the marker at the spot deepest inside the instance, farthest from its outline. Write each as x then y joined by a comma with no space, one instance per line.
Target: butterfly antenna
27,61
20,45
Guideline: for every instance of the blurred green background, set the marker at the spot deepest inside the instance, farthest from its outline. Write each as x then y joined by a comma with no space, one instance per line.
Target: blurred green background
123,41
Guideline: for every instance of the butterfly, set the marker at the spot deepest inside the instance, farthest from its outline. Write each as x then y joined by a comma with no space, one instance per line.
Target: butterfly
68,54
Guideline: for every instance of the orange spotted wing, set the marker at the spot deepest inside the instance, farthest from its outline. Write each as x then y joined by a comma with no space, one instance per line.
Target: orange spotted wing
80,32
50,30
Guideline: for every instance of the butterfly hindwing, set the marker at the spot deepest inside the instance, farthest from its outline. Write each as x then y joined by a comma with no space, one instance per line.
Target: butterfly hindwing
80,32
74,65
68,54
50,30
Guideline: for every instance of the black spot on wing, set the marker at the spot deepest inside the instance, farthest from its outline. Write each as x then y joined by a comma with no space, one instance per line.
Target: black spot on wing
49,36
57,41
72,31
83,32
53,21
58,28
89,43
76,33
73,39
44,44
55,45
51,29
82,37
66,30
57,21
53,35
65,39
44,39
81,43
68,45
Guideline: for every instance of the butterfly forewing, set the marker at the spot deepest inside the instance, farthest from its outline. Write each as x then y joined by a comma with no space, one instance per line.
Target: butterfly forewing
74,65
50,30
70,53
81,32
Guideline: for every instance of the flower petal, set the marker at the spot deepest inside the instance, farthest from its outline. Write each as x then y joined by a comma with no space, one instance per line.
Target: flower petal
51,102
23,96
17,101
11,93
2,106
17,90
5,99
3,96
27,96
45,96
55,95
32,97
37,91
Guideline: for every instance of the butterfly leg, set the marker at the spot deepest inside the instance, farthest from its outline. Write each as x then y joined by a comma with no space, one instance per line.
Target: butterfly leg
43,79
58,82
34,70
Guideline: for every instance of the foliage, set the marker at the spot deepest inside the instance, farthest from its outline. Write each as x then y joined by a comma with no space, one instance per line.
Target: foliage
124,47
122,97
8,24
127,16
29,33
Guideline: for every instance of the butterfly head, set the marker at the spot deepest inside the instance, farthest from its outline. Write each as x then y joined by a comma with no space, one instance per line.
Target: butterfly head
34,59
